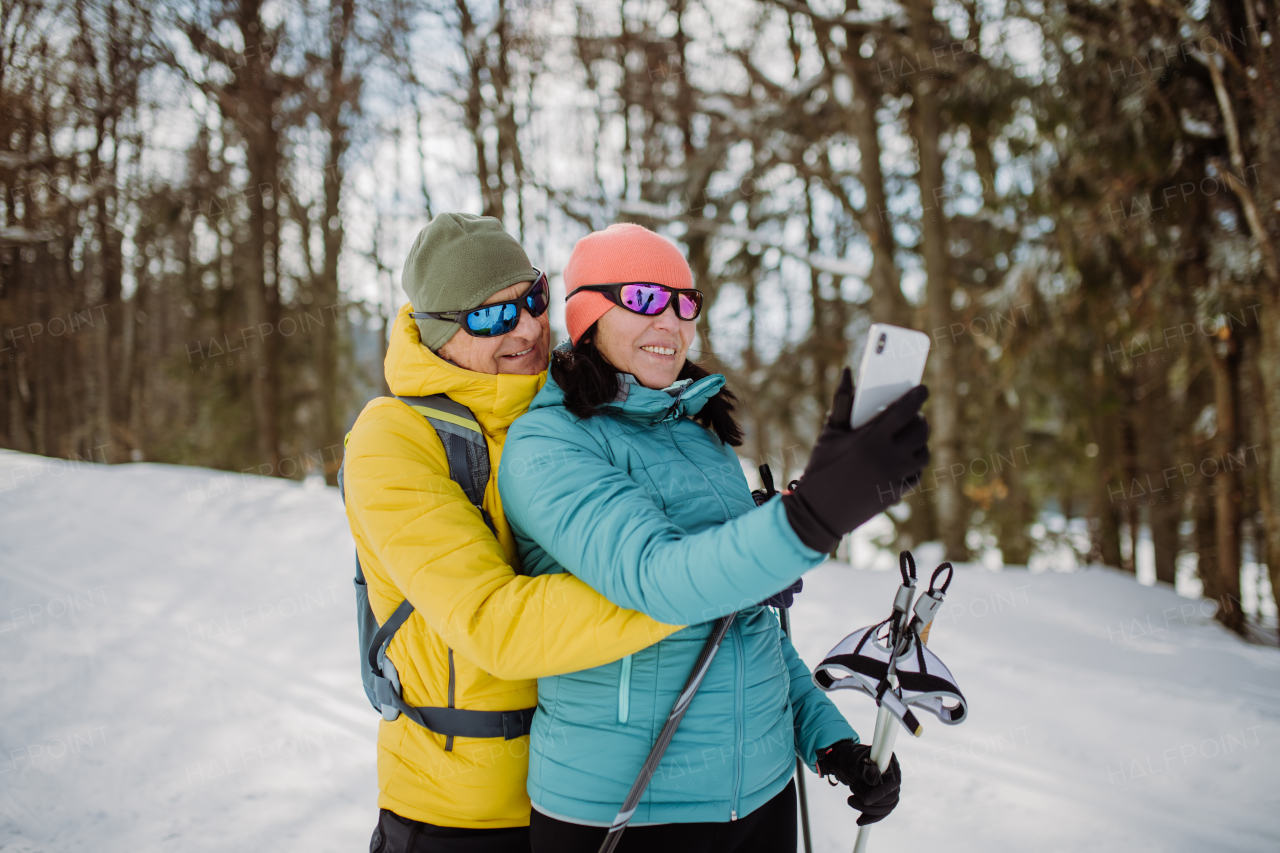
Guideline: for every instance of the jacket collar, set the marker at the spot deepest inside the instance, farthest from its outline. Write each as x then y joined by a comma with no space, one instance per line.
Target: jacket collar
413,370
646,405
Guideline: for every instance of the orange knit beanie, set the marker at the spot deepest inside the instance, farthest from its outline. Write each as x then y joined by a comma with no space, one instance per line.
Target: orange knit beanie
620,253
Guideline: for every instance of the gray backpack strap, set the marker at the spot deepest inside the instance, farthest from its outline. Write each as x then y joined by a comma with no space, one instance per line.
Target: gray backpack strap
464,443
468,457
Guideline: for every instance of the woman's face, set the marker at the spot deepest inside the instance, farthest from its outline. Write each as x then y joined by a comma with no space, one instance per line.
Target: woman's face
652,349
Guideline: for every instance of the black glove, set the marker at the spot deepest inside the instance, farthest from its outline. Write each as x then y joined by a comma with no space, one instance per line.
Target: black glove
783,599
875,794
853,475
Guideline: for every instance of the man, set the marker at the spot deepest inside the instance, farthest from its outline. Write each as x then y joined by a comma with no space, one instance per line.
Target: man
480,633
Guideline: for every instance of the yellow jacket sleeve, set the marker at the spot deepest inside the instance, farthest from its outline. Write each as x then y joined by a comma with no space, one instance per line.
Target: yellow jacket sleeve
432,544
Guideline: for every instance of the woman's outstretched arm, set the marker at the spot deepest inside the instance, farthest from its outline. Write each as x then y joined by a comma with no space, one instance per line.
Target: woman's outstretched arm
560,490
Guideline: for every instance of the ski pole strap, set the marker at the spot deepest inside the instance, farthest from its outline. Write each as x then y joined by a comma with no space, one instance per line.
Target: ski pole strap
891,701
927,605
860,662
907,565
902,601
933,580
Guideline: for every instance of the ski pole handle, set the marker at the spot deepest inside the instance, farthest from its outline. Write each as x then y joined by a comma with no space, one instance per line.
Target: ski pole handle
885,746
926,608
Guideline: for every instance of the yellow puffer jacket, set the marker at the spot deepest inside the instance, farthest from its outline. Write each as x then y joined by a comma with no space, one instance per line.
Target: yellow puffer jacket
418,537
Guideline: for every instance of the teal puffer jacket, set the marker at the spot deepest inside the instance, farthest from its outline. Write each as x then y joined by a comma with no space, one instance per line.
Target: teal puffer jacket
649,508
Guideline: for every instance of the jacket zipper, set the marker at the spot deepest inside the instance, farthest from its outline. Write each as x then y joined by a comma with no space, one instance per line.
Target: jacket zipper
624,690
737,643
739,676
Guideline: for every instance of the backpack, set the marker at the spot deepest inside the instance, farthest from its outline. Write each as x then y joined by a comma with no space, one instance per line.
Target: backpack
468,455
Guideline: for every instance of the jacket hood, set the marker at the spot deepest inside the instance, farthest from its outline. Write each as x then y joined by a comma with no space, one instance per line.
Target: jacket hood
413,370
635,401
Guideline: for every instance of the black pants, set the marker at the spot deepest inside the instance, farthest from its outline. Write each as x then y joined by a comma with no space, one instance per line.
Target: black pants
395,834
769,829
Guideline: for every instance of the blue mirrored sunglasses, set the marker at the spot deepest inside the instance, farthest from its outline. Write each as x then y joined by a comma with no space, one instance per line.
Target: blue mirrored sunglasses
489,321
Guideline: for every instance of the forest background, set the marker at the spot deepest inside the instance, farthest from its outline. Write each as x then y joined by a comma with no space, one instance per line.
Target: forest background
205,206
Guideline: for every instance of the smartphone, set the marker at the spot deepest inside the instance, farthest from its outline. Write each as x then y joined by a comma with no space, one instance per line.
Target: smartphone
892,364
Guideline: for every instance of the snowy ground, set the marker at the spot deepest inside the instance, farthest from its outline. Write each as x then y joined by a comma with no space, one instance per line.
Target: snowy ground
177,655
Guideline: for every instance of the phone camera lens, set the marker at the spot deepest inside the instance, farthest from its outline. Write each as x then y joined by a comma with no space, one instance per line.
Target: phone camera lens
880,343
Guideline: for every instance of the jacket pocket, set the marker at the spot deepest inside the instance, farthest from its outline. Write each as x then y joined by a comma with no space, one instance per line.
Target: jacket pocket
624,691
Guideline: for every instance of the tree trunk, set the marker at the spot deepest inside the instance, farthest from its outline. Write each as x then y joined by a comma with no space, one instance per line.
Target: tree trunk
1016,544
888,305
1156,420
1224,358
944,410
1106,545
1206,541
1165,501
255,116
1132,508
489,179
329,432
1164,520
110,296
259,310
1268,382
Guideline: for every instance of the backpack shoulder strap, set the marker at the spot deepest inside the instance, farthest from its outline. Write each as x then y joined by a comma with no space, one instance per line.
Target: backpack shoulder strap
464,443
468,456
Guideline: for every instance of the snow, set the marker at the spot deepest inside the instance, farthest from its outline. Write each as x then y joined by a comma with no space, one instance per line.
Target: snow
178,655
1104,715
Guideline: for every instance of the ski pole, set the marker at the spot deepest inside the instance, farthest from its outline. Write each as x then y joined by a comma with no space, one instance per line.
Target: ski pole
886,733
784,618
881,753
668,732
800,768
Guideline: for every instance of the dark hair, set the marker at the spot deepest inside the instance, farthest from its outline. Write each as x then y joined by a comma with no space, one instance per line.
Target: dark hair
589,381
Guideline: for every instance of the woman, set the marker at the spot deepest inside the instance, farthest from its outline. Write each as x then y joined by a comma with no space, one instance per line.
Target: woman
623,473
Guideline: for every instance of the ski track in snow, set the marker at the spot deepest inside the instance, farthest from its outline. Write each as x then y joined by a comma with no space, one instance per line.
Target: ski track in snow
179,670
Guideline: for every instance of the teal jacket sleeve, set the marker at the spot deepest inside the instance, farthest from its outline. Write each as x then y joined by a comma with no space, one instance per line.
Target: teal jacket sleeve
560,490
818,722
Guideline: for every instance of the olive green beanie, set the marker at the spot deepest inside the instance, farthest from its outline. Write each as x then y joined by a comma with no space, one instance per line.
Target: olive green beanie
458,261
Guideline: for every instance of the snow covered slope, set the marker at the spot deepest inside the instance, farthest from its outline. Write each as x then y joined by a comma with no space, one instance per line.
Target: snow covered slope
179,672
1103,715
178,655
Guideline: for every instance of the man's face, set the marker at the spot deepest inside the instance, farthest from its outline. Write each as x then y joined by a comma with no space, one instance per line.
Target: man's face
525,349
